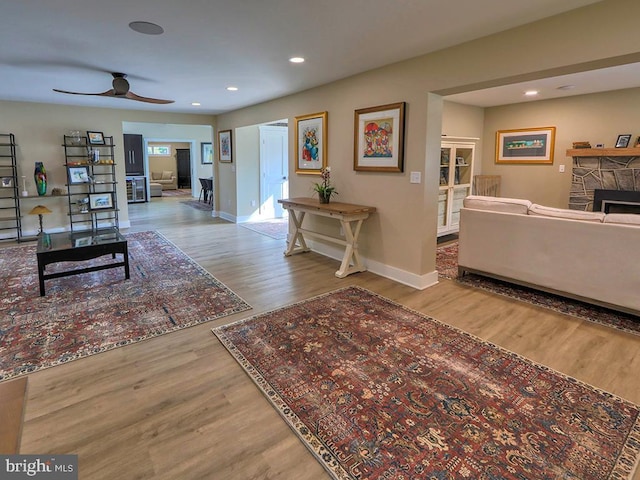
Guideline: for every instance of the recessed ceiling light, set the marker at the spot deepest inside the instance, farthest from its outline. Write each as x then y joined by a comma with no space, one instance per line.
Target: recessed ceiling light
146,28
232,89
195,104
296,60
531,93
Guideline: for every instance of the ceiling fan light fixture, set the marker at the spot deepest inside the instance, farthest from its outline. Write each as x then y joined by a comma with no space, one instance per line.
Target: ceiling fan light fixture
146,28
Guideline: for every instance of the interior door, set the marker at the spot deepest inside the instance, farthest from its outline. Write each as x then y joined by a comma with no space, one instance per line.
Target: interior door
183,158
274,170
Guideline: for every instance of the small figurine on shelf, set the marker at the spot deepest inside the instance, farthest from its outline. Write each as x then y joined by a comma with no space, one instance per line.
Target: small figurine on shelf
40,177
25,193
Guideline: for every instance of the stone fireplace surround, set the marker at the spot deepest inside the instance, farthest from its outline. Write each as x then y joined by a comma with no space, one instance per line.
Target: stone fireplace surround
602,169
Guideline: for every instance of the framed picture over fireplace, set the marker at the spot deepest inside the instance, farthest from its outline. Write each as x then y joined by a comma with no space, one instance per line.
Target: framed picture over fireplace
526,145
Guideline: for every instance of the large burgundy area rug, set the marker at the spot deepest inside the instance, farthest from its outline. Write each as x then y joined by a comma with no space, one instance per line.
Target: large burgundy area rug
378,391
90,313
447,267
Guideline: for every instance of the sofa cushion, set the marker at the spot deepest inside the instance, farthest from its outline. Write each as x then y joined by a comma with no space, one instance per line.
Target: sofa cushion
167,174
543,211
156,175
497,204
624,218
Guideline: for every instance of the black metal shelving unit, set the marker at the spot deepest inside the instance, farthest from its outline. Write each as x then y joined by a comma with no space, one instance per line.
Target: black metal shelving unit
93,201
10,222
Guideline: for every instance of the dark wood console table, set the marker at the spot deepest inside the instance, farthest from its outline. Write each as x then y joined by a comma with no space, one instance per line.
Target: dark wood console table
77,247
346,213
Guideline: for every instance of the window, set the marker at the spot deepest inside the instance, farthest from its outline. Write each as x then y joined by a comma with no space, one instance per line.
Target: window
158,150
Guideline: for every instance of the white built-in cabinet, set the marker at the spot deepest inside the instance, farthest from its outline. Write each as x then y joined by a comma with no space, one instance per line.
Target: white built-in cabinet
456,176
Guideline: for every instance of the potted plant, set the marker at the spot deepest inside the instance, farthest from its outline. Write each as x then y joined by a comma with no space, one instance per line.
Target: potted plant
324,188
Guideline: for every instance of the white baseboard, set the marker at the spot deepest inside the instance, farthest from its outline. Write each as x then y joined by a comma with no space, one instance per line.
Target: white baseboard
227,216
419,282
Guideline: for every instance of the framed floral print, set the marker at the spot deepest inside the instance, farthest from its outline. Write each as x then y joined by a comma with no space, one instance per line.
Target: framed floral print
225,153
311,143
379,138
206,153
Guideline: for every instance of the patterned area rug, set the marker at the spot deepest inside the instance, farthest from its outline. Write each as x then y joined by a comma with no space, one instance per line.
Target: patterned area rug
85,314
378,391
198,205
277,228
180,192
447,266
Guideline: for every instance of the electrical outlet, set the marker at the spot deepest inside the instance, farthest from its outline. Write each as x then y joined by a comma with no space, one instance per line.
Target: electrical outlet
561,168
253,203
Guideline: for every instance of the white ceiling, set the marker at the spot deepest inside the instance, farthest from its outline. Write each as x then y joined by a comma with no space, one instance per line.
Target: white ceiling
211,44
604,79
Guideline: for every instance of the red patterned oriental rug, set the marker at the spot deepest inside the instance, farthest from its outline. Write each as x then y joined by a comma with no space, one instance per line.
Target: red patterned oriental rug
85,314
447,267
378,391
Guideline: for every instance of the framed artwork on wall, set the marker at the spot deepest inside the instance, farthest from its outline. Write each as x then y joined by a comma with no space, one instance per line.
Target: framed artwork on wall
379,138
526,145
311,143
225,154
206,152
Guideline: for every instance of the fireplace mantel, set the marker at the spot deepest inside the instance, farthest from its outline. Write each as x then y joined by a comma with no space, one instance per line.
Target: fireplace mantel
603,152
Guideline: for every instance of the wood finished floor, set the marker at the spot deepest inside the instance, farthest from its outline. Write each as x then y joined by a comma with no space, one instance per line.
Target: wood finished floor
179,407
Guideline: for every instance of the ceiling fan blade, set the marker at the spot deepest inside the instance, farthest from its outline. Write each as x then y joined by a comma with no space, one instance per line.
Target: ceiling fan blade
132,96
108,93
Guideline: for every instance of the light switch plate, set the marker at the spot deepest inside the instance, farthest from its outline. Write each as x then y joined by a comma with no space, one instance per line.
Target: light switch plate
415,177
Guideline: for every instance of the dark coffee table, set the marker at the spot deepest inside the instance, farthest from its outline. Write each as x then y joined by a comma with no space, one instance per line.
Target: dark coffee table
79,247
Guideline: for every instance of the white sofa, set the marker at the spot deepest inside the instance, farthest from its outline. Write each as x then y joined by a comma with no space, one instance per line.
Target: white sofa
590,256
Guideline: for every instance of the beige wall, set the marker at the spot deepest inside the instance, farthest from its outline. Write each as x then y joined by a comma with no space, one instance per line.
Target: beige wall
160,163
39,130
597,118
399,240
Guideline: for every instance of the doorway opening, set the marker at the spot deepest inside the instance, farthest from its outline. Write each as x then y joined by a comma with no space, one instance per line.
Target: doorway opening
274,169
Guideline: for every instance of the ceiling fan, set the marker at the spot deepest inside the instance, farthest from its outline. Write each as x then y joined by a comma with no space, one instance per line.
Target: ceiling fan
120,90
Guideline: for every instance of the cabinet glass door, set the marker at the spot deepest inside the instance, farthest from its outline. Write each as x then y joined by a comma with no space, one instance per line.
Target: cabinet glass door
462,175
445,158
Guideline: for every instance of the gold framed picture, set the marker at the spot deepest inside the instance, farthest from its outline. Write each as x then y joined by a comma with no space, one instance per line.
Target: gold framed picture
311,143
379,138
526,145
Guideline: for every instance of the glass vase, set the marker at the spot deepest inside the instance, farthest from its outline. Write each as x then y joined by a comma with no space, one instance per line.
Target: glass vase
40,177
